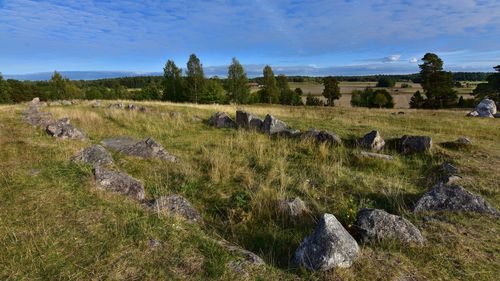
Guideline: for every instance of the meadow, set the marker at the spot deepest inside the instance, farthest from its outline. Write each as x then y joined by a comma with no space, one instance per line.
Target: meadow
55,225
401,95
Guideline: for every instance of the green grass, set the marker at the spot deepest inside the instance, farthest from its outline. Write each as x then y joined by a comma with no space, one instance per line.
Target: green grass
56,225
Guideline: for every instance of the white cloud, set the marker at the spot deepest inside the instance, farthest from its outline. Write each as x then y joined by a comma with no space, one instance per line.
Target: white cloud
392,58
413,60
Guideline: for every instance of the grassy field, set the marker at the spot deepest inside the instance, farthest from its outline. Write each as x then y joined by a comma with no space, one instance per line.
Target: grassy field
401,96
55,225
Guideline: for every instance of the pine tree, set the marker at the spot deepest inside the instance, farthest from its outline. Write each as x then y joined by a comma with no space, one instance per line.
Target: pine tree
270,92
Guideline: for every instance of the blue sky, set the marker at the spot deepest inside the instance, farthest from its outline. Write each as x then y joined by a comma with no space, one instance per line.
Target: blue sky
295,37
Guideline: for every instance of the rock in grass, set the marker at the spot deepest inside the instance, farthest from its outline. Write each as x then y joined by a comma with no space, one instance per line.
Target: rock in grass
221,120
288,133
176,205
328,247
376,155
147,148
375,225
486,108
272,125
249,257
247,120
461,142
449,168
414,144
293,208
64,130
322,137
453,198
95,155
372,141
118,182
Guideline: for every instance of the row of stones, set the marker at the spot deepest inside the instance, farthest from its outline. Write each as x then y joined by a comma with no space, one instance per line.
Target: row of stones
120,182
331,245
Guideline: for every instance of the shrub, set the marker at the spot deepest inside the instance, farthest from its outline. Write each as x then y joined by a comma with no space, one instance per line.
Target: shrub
313,101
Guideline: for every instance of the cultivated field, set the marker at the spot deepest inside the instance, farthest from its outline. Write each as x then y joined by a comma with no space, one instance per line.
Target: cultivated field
55,225
401,96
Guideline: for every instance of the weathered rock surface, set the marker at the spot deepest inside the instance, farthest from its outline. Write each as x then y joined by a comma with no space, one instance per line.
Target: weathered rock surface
461,142
376,155
97,103
293,208
272,125
455,198
472,114
375,225
247,120
95,155
486,108
329,246
147,148
176,205
372,141
221,120
322,137
449,168
118,182
64,130
287,133
414,144
250,258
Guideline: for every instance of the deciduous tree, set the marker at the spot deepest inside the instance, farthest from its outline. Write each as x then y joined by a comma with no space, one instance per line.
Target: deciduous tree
332,90
237,82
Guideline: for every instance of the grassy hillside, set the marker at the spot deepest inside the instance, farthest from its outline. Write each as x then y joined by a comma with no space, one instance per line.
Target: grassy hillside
55,225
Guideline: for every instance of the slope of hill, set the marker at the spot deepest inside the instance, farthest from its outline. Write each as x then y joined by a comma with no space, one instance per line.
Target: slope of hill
55,224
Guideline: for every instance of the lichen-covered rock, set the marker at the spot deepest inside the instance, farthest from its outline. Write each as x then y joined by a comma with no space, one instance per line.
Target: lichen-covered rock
247,120
272,125
486,108
176,205
147,148
249,257
461,142
95,155
221,120
328,247
455,198
376,155
288,133
118,182
322,137
375,225
414,144
293,208
64,130
372,141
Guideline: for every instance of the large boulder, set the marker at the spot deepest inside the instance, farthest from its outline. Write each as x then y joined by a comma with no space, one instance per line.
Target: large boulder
321,137
272,125
221,120
147,148
329,246
292,208
64,130
95,155
372,141
486,108
454,198
118,182
176,205
414,144
247,120
374,225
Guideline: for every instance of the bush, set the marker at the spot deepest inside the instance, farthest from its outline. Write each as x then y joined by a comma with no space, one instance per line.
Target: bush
313,101
386,82
372,98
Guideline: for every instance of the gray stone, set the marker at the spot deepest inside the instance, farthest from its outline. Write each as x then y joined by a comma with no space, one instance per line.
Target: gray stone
176,205
250,258
118,182
175,115
454,198
247,120
272,125
293,208
375,225
322,137
472,114
414,144
66,102
117,105
288,133
486,108
328,247
449,169
461,142
95,155
376,155
451,179
64,130
147,148
221,120
132,107
35,101
97,103
372,141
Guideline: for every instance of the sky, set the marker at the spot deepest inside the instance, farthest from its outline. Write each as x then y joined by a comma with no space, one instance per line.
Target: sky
323,37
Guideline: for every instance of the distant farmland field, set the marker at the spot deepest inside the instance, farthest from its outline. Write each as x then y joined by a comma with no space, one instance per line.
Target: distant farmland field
401,95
